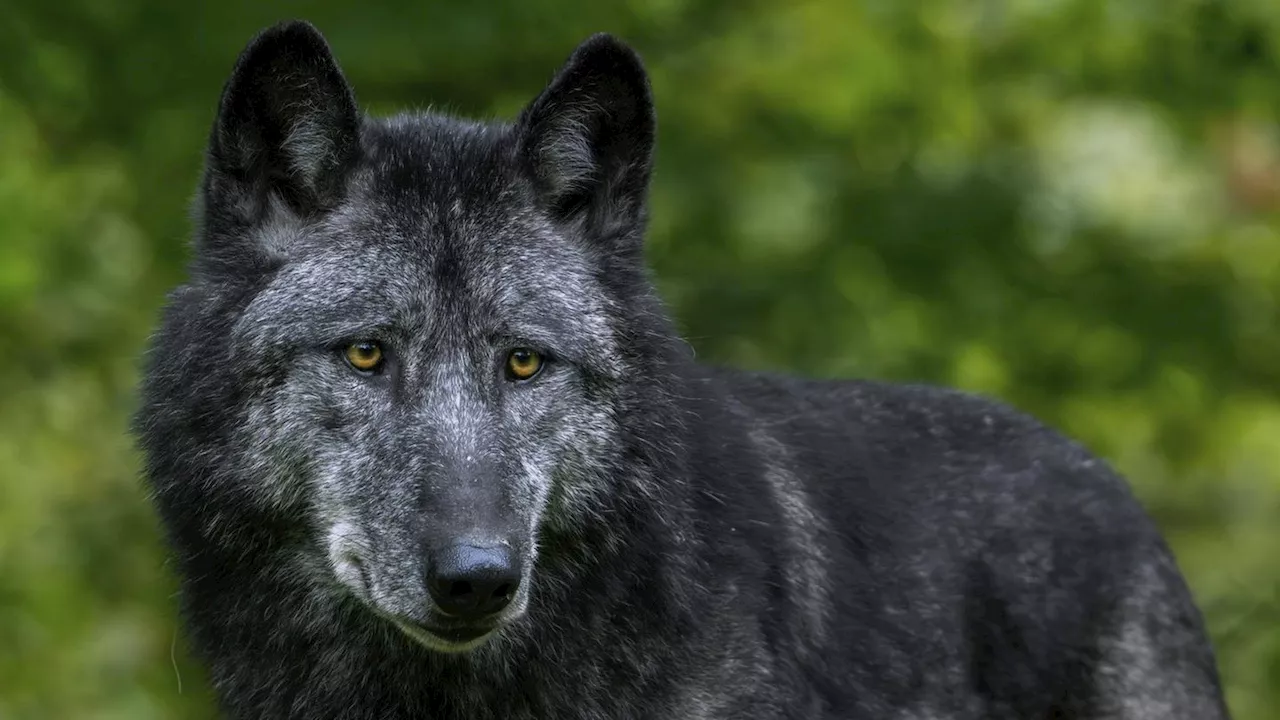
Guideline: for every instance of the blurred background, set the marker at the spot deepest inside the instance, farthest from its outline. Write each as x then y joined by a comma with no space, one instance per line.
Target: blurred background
1073,205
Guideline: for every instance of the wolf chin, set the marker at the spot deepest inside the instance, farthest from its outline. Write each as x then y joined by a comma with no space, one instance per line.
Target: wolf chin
425,445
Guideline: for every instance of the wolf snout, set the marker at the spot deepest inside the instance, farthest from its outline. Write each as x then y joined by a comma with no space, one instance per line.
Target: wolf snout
473,582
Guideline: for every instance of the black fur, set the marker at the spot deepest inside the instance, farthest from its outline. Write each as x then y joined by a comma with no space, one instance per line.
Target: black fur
754,546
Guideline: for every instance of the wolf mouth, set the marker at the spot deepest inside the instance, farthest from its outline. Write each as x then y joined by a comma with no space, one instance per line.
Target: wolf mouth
458,639
452,638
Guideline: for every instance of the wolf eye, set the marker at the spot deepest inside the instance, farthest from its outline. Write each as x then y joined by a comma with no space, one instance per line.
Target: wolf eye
523,364
364,356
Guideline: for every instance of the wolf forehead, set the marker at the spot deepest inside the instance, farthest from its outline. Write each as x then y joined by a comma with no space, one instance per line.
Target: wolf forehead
439,236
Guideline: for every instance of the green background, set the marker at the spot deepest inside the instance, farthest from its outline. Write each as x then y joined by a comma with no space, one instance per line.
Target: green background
1073,205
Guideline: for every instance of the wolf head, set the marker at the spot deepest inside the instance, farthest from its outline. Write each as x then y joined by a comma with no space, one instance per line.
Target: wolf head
422,325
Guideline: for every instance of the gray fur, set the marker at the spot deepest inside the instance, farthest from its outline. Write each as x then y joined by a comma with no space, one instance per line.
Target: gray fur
692,542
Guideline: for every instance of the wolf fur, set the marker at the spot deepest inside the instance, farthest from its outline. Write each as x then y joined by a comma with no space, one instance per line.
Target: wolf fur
693,542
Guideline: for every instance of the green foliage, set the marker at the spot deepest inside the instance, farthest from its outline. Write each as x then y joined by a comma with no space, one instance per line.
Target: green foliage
1069,204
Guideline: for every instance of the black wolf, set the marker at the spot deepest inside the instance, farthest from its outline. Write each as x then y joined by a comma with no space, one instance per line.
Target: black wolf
425,445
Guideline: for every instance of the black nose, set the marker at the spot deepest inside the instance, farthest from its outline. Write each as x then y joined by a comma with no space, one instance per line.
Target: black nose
472,582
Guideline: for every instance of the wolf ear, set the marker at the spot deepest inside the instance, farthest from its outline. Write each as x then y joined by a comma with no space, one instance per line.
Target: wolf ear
287,123
587,140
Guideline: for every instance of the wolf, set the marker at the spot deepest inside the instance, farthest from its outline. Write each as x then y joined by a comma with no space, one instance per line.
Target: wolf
425,443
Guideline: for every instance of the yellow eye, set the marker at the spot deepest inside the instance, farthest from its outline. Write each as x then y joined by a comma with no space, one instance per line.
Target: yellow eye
523,364
364,356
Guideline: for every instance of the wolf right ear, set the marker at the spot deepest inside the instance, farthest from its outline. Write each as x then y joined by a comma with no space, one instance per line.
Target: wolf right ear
287,124
587,140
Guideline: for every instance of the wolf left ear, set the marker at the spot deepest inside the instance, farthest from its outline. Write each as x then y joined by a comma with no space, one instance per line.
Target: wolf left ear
587,140
287,123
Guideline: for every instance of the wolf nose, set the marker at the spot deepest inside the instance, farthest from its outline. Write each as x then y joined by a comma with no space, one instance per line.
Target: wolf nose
471,582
